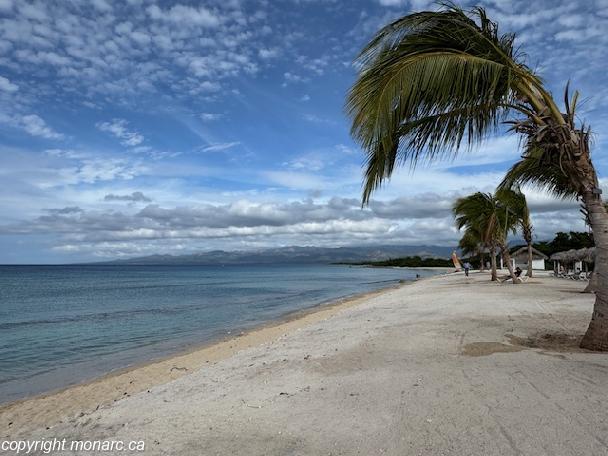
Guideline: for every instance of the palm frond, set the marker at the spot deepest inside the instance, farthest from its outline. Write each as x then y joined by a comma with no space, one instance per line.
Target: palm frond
515,201
539,169
470,242
490,215
475,212
429,83
551,153
412,138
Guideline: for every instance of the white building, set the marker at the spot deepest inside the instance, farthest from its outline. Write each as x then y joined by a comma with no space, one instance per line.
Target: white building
520,258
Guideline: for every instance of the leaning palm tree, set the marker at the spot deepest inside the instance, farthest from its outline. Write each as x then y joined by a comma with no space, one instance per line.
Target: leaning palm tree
474,235
435,82
471,244
487,214
516,200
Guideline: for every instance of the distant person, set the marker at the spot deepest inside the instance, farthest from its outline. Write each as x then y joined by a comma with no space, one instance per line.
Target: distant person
467,267
517,274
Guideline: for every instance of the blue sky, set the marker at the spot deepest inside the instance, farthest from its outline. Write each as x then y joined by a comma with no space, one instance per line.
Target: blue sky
137,127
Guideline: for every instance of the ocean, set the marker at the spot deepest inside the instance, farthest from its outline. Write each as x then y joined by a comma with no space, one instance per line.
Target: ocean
61,325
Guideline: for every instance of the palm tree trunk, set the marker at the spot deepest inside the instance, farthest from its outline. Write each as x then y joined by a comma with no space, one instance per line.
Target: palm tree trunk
596,337
592,283
507,258
493,262
529,273
482,266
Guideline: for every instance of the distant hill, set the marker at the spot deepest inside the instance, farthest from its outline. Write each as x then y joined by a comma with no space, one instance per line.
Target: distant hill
293,255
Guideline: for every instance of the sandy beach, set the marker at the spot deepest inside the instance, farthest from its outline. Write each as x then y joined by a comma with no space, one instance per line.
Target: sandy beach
444,366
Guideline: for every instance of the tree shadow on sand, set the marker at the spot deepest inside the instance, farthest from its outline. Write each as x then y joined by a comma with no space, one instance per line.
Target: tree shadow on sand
550,341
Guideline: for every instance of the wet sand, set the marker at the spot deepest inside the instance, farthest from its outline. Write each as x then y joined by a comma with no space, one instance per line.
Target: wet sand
41,410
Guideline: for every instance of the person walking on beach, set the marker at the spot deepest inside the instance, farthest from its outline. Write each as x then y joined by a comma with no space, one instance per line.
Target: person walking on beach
466,267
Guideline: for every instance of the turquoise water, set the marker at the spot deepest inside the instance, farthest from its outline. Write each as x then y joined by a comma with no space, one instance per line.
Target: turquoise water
61,325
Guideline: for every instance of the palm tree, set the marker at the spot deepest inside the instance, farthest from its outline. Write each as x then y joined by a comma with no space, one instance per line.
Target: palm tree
433,82
516,200
488,214
471,244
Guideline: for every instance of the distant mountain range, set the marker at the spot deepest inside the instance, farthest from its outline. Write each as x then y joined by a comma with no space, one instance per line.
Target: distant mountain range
293,255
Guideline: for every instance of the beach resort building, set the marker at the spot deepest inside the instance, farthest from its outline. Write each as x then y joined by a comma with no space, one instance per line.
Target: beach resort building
520,258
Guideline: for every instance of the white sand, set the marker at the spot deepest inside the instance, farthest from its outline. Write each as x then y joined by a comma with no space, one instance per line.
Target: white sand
441,366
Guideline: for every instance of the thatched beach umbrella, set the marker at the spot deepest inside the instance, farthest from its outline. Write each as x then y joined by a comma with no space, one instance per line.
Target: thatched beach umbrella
589,256
580,254
570,256
585,255
557,261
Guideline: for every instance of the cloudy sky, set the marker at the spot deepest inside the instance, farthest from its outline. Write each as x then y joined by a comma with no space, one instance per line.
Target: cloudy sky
147,126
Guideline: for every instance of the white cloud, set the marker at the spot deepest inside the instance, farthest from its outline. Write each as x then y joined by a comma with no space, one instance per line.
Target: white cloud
33,11
36,126
135,197
572,20
419,219
102,5
119,129
316,65
220,147
292,77
208,86
309,162
499,149
123,50
314,118
268,53
414,5
418,5
182,14
345,149
90,171
392,2
210,116
6,5
7,85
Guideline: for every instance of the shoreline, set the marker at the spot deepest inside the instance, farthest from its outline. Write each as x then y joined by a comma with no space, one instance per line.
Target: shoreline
199,320
364,376
103,390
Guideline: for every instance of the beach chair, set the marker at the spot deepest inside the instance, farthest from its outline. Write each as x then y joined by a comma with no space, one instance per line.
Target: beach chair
522,279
